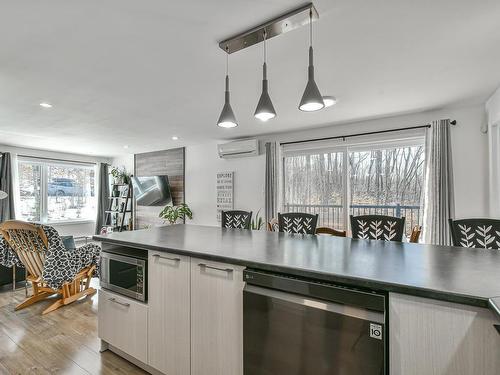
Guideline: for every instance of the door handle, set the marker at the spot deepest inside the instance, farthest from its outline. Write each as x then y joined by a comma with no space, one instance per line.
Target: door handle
118,302
228,270
157,256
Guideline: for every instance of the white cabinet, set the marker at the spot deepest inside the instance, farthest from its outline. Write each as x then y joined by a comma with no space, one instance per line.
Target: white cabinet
216,318
435,338
123,323
169,313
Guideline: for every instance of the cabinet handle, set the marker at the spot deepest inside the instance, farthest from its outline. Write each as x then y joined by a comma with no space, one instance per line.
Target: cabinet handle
157,256
118,302
228,270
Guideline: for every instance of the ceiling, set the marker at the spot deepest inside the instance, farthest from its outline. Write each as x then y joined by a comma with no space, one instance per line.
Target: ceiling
128,72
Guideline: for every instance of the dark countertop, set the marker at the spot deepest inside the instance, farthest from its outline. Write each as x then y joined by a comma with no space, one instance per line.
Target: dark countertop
495,306
469,276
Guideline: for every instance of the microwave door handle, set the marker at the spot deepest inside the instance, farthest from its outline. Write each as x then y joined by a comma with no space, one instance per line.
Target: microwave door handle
104,269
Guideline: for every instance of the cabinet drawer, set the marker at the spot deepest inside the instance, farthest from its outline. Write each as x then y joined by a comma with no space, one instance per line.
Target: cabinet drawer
123,323
216,318
169,313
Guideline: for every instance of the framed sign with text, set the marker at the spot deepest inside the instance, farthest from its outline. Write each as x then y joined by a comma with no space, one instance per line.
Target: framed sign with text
224,192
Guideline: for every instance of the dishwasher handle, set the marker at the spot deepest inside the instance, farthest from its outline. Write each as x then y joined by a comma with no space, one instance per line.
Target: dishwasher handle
314,289
337,308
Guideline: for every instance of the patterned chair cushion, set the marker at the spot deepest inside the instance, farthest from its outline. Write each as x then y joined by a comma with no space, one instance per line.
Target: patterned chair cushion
297,222
476,233
236,219
61,265
377,227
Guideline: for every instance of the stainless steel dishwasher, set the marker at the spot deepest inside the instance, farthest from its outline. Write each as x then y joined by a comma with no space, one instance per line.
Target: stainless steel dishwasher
294,326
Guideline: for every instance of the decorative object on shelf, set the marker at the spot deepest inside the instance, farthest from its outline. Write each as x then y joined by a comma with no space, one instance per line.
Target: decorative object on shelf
173,213
224,193
115,192
265,109
120,176
311,99
257,222
227,118
120,205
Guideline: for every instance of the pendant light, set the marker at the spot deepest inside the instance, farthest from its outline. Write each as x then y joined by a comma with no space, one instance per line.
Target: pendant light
311,99
265,109
227,118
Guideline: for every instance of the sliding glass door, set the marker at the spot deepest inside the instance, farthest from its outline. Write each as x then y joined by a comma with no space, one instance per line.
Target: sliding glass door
315,183
366,178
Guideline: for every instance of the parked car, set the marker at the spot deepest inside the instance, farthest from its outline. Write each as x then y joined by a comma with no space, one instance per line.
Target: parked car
63,187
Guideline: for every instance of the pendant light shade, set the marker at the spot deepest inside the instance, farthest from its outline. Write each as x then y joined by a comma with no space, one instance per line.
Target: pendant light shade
311,99
265,109
227,118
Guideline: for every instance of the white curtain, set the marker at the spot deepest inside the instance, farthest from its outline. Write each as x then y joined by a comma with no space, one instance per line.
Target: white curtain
15,185
272,178
493,111
494,167
439,199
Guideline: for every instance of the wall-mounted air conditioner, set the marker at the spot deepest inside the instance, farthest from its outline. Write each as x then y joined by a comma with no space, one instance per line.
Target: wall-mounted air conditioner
239,149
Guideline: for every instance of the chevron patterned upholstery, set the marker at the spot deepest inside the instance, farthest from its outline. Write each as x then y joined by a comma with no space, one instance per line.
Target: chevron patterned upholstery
477,233
378,227
236,219
297,222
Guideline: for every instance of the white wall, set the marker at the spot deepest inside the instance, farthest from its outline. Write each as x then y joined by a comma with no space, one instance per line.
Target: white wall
469,159
76,229
126,161
202,165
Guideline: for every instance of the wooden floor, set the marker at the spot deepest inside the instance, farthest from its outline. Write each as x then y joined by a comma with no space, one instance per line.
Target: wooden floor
61,342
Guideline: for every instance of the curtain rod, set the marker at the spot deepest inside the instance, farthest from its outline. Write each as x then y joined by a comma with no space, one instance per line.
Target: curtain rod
56,159
343,137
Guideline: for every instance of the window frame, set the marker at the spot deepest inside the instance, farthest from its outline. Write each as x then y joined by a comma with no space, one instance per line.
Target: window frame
45,163
347,145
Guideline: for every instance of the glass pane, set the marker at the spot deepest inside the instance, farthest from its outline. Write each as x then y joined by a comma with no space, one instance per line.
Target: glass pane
388,182
314,184
70,192
123,275
30,177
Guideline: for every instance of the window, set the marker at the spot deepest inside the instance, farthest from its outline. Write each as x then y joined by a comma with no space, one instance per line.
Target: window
355,179
56,191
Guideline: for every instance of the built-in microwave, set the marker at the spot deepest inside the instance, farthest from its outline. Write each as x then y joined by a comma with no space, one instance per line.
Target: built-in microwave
124,274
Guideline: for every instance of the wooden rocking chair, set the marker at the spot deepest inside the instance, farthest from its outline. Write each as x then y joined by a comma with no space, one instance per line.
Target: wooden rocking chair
31,244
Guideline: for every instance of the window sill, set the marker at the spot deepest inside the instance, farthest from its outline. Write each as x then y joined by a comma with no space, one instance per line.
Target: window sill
69,222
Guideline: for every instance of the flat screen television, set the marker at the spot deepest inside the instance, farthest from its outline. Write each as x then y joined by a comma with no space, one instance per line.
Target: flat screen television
152,191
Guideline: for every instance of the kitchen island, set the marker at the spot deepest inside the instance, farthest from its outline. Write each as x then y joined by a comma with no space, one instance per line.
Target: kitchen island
441,301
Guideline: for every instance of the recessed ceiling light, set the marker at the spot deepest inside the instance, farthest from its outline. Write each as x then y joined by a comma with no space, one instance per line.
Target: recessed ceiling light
329,100
175,138
126,146
45,105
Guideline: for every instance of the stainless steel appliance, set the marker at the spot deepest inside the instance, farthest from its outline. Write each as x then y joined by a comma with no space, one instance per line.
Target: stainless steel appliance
294,326
124,271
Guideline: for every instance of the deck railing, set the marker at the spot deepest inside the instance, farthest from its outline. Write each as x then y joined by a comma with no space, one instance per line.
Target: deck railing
331,215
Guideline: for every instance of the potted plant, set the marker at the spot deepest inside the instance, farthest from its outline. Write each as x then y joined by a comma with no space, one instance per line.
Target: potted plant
257,222
115,172
120,175
174,213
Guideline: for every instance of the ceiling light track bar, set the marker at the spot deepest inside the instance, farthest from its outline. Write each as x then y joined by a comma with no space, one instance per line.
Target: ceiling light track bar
280,25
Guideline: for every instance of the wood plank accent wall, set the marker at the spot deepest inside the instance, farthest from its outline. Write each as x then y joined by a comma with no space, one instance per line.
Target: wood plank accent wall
167,162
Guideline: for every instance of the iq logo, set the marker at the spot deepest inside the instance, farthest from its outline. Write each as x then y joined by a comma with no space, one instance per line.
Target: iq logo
376,331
